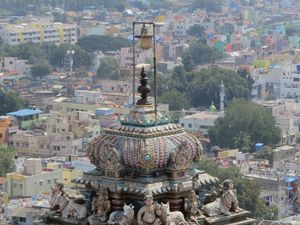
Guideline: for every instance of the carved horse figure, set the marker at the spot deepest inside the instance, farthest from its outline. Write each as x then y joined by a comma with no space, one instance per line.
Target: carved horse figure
68,208
171,218
124,217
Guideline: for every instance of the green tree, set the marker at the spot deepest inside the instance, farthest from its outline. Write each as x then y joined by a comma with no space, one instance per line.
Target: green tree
188,62
204,88
109,69
6,160
9,102
199,53
242,141
175,99
250,118
196,30
102,42
41,70
209,5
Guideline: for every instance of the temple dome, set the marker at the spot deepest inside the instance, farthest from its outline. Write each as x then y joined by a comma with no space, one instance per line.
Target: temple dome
144,147
145,142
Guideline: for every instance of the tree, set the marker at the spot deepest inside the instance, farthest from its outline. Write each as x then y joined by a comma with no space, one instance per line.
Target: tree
188,62
109,69
209,5
176,100
102,42
41,70
196,30
242,141
204,88
9,102
6,160
250,118
199,53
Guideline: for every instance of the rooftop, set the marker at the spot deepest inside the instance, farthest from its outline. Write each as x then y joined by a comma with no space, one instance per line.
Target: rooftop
25,112
205,115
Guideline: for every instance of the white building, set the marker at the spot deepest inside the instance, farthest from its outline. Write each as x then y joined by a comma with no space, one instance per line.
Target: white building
200,122
88,97
33,180
37,32
290,85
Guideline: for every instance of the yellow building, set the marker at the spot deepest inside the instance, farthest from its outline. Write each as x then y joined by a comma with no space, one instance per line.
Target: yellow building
69,175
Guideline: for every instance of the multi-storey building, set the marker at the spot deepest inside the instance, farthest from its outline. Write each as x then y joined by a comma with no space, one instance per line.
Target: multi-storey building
33,180
36,32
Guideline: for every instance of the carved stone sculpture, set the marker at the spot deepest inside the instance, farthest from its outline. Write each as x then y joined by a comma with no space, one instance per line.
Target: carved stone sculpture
181,157
68,208
124,217
149,214
226,204
171,218
101,207
192,206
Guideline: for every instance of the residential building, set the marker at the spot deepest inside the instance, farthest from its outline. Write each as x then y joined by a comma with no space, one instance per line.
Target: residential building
88,97
285,152
126,57
33,180
31,143
38,32
13,64
41,144
200,122
26,118
290,84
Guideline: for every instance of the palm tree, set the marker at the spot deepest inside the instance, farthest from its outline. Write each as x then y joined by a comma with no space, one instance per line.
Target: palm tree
242,141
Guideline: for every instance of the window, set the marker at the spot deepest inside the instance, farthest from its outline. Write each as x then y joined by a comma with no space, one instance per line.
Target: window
21,186
190,125
182,124
41,182
49,181
15,185
22,219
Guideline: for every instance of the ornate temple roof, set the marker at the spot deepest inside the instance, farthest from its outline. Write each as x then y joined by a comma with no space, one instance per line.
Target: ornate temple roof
145,141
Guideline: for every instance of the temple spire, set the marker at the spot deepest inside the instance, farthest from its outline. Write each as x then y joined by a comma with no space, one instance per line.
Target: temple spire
144,89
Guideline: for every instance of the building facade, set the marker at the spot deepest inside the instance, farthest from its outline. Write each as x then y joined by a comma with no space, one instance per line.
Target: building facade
38,32
33,180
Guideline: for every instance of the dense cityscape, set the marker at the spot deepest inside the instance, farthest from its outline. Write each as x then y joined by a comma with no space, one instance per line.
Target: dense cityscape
139,112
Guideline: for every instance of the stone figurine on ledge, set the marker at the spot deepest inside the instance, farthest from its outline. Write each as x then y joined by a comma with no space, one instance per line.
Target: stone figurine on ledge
192,207
149,214
101,207
227,204
60,202
125,217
